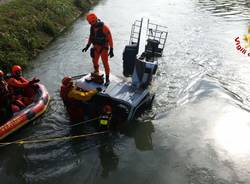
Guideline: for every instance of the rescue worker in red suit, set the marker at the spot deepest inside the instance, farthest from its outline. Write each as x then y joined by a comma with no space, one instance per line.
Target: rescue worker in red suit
72,97
8,104
101,38
20,86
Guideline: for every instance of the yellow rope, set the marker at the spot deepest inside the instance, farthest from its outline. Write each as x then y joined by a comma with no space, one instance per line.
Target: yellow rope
51,139
83,122
65,126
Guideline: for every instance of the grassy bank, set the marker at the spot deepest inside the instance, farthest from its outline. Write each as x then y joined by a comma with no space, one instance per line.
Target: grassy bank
26,27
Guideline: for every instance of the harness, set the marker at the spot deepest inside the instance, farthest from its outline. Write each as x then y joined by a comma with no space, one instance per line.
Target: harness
98,37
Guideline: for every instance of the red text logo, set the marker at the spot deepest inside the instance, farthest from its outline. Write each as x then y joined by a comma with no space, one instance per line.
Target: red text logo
243,46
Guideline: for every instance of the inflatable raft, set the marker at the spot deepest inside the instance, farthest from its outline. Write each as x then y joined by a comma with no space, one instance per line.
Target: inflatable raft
32,111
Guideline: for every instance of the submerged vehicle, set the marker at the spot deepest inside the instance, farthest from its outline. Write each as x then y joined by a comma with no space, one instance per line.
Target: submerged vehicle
29,113
120,100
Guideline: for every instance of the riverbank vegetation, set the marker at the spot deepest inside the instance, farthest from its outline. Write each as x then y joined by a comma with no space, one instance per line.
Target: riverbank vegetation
26,27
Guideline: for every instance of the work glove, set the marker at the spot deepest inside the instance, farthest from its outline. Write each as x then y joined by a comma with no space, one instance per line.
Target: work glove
36,80
111,53
86,48
33,81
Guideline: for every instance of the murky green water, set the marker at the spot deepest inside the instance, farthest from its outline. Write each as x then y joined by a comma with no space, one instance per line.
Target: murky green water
199,127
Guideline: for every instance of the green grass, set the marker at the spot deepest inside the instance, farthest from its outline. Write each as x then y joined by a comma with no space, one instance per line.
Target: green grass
27,26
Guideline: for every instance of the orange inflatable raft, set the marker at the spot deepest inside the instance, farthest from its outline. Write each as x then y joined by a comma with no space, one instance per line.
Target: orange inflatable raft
31,112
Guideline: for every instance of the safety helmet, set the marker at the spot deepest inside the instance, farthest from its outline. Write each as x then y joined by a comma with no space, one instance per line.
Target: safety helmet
66,80
91,18
1,73
16,68
107,109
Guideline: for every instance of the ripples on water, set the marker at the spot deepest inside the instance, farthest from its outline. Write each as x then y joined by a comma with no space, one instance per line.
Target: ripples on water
232,10
197,130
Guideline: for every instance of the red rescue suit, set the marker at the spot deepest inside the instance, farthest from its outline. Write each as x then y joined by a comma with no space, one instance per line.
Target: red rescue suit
19,87
101,38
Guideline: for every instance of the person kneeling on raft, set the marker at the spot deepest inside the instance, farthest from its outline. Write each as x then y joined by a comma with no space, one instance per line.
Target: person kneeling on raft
22,88
8,104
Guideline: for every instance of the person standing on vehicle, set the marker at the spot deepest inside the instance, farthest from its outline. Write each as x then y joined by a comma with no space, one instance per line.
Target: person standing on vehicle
101,38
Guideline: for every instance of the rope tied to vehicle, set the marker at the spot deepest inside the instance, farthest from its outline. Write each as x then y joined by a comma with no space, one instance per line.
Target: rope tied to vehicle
52,139
82,122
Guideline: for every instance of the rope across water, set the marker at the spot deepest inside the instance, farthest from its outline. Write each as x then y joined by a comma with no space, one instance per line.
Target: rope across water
52,139
63,138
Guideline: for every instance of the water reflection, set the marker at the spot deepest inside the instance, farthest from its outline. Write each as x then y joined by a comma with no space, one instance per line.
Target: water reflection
140,131
232,132
108,158
142,134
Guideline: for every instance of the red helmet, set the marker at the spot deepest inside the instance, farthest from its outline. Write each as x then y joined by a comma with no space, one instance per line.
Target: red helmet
66,80
91,18
107,109
16,68
1,73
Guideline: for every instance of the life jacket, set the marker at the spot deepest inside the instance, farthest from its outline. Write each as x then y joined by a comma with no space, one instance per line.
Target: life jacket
82,96
98,37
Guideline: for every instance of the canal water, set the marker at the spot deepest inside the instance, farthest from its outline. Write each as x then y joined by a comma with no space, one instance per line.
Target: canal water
198,129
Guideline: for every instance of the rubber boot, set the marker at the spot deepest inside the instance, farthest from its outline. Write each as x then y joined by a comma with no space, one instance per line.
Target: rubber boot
96,70
107,81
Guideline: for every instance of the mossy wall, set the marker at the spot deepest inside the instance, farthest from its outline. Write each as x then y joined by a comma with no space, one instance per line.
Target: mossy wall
27,26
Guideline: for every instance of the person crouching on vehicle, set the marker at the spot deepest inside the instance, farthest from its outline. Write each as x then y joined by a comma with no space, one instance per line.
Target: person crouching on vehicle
101,38
72,98
20,86
69,91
